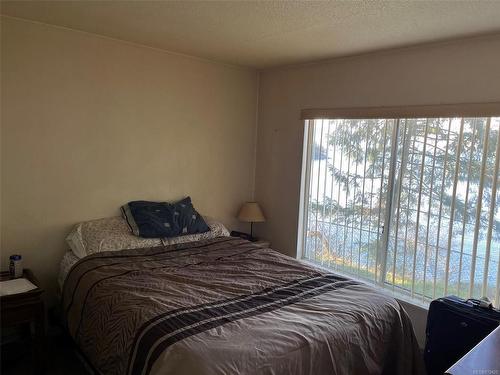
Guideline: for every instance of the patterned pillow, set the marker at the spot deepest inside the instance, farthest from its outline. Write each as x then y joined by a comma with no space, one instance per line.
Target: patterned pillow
113,233
217,229
161,219
106,234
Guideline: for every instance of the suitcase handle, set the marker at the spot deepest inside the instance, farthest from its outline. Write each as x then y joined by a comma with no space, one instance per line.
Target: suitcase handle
484,303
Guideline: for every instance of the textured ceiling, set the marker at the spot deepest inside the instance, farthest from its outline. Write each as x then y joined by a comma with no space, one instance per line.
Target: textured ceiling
268,33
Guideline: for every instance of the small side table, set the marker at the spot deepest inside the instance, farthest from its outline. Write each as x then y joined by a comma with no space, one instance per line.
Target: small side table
26,308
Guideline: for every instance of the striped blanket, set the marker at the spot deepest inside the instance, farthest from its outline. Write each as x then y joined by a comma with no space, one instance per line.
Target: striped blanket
226,306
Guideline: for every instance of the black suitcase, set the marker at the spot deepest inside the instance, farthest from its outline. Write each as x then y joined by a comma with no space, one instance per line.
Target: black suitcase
455,326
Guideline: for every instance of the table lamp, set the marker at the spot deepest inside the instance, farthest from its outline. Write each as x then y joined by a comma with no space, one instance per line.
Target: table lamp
251,213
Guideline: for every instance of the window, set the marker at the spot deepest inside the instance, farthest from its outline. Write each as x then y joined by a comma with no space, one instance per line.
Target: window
409,204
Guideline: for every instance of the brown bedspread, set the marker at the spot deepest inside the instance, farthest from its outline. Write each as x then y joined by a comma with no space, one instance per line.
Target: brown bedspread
226,306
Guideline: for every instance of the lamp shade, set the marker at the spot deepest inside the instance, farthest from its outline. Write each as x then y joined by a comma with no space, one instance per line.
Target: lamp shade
250,212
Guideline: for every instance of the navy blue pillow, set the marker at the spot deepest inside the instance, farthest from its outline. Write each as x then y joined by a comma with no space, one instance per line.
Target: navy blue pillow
162,219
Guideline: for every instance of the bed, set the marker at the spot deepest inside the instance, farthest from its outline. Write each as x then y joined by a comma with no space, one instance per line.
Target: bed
227,306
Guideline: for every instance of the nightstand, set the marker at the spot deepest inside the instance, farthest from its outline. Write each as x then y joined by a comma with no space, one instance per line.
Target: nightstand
26,308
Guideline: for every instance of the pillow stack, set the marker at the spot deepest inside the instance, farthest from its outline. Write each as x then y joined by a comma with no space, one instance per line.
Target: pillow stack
144,224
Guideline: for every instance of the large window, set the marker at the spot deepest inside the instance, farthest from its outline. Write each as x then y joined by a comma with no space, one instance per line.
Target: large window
409,204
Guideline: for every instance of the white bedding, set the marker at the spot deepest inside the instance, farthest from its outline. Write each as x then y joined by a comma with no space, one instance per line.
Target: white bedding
66,263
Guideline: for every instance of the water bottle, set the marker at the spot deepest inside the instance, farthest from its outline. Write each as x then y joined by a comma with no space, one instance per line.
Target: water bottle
16,266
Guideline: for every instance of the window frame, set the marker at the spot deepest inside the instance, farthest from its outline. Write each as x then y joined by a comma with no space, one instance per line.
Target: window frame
491,109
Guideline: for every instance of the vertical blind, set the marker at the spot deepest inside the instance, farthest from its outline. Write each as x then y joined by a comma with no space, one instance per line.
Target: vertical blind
411,204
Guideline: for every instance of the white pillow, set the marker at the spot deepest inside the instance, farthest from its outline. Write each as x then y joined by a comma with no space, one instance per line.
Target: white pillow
112,234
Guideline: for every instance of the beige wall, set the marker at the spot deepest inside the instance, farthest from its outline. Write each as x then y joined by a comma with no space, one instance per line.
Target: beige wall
454,72
89,123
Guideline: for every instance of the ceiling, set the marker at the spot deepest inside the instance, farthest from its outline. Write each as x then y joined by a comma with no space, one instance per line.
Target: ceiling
264,34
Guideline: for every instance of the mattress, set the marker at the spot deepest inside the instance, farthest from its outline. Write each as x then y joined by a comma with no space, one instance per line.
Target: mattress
227,306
